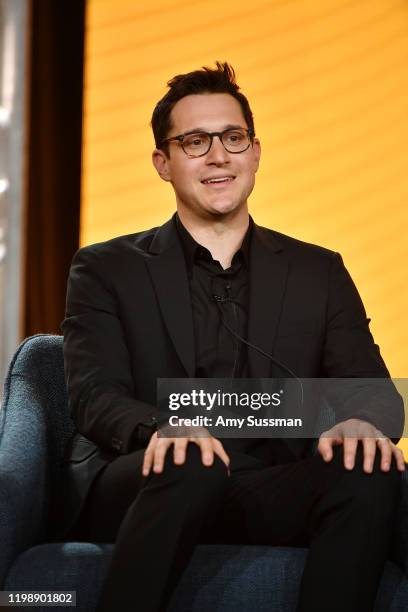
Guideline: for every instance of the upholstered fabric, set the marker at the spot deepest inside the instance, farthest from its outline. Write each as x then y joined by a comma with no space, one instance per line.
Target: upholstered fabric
219,578
34,427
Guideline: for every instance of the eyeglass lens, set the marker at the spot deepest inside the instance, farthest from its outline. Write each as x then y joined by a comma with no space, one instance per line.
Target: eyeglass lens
235,141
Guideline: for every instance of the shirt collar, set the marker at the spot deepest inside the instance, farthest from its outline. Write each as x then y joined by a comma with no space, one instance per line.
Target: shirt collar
193,250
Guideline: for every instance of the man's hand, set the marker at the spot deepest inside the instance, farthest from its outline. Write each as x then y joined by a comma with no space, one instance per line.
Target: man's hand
156,450
349,433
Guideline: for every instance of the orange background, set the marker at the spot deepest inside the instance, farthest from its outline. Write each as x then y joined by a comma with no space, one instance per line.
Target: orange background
327,81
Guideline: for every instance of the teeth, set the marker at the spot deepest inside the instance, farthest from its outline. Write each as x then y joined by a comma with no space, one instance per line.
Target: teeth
218,180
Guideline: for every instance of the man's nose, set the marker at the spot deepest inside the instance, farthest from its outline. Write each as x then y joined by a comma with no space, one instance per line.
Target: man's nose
217,153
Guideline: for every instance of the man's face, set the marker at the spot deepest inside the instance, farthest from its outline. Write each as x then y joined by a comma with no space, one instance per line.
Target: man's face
209,113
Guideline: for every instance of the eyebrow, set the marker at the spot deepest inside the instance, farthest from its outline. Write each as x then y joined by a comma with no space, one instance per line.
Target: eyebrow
230,126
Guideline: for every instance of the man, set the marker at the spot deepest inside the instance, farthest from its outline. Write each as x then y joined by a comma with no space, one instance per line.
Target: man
211,294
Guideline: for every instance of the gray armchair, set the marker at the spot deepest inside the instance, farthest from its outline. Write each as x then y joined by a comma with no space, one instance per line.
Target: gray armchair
35,425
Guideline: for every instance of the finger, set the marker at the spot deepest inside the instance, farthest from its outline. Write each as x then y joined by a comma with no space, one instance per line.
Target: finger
160,454
399,457
179,452
147,461
207,451
148,455
350,447
325,446
220,452
369,450
384,446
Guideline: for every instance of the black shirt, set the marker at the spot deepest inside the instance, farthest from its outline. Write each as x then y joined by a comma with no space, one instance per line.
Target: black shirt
218,353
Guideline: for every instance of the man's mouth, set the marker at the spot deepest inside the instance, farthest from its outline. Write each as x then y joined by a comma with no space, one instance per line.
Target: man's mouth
218,180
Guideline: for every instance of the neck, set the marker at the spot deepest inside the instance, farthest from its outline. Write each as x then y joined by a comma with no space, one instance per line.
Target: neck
222,235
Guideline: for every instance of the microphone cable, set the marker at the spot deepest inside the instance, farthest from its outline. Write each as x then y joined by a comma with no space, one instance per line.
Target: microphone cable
218,299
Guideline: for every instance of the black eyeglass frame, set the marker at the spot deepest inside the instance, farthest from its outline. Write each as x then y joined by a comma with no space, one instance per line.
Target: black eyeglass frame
180,138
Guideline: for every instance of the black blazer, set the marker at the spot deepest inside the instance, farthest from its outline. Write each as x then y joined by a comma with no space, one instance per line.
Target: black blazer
129,321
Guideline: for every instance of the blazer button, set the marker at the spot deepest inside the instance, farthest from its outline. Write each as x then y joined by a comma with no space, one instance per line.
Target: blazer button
154,423
116,443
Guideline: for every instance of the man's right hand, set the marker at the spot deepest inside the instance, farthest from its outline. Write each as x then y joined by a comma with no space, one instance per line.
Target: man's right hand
157,448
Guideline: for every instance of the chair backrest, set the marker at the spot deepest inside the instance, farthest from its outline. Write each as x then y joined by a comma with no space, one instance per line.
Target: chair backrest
35,426
39,360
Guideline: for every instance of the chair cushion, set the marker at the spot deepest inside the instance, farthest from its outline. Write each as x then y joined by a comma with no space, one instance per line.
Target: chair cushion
219,578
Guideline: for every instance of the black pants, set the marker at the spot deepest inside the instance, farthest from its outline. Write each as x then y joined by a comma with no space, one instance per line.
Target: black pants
345,517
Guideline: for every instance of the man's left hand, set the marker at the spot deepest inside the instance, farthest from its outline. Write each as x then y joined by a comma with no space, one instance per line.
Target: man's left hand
349,433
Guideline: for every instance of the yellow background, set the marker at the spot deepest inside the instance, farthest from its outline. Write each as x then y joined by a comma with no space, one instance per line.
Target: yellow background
327,81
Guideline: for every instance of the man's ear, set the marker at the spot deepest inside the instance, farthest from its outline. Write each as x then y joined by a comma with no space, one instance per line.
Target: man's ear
161,163
256,147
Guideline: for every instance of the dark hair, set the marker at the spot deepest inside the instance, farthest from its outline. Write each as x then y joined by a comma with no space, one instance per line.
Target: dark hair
206,80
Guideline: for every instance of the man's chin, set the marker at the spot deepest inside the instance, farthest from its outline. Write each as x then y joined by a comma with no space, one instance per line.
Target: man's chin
213,209
221,209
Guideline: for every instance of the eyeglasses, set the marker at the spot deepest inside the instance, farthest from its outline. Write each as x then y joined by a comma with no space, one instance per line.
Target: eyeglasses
196,144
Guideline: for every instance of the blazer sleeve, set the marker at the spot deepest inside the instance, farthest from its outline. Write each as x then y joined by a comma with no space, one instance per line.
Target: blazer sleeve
96,359
350,353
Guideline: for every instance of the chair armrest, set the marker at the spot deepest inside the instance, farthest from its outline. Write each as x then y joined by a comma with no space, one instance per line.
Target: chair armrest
23,468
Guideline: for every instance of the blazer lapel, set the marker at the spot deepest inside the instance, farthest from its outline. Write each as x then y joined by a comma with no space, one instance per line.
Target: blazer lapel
269,271
268,275
169,275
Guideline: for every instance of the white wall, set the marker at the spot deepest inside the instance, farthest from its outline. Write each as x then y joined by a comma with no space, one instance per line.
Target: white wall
13,69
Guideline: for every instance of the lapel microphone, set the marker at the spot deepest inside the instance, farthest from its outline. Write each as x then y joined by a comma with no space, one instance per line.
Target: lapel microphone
220,299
